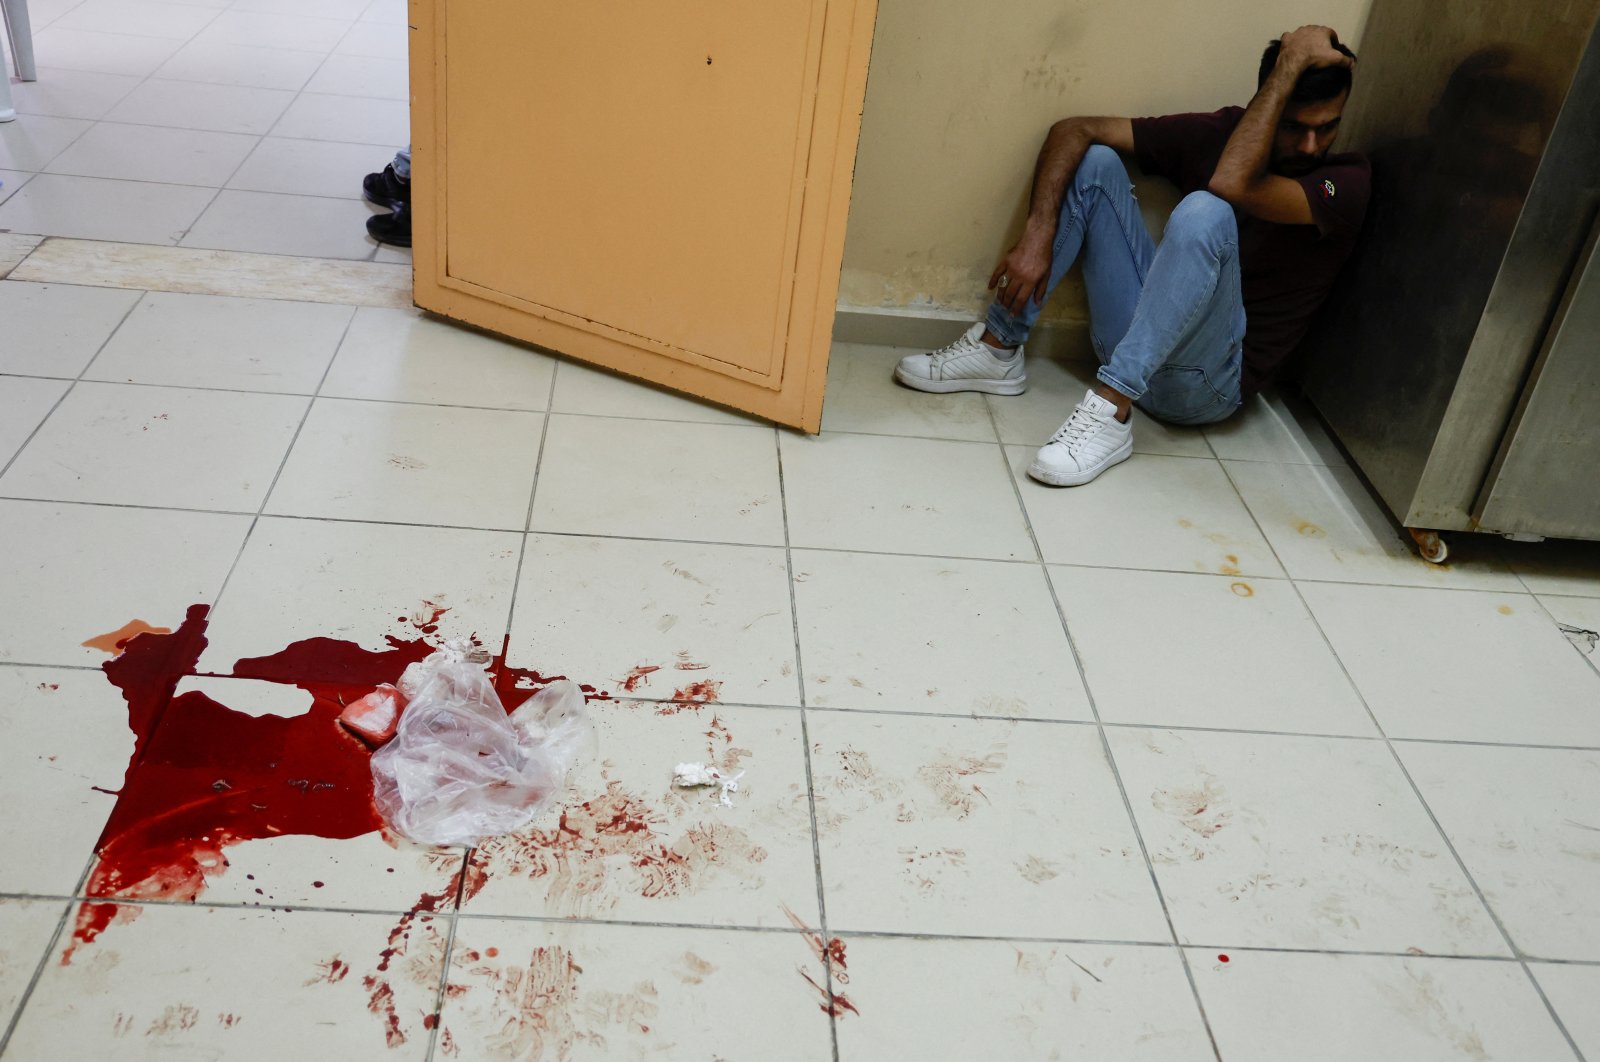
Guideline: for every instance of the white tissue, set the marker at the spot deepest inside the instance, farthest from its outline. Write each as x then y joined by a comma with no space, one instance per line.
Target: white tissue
695,775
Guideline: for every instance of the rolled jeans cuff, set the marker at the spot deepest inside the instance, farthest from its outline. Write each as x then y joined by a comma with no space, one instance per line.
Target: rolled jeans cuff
1111,380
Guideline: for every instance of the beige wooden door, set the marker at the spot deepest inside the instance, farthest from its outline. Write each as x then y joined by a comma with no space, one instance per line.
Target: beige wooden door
656,186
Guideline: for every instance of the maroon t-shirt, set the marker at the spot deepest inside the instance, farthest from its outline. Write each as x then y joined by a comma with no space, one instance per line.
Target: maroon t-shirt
1285,271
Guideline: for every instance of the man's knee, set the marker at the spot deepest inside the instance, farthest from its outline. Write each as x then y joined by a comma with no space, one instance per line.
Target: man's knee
1205,218
1102,165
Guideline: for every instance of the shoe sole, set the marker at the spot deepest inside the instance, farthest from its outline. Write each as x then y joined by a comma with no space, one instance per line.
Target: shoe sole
1009,388
1077,479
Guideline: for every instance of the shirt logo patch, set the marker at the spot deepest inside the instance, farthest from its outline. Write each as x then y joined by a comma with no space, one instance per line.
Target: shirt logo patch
1328,190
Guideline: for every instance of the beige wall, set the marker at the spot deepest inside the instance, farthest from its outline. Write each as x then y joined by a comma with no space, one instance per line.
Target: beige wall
961,95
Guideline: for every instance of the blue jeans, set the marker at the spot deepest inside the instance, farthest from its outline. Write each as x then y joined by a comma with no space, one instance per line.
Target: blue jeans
402,163
1167,324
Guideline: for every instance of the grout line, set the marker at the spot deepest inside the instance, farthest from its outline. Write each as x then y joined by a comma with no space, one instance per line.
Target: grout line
260,139
680,541
158,247
212,186
632,701
6,467
145,36
444,974
94,123
283,463
1416,790
191,128
1593,658
372,521
1105,744
805,742
449,950
270,391
53,19
50,950
511,607
27,175
784,930
533,494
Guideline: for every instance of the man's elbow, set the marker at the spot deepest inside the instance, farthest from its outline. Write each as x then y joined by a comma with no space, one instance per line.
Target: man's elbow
1068,128
1228,189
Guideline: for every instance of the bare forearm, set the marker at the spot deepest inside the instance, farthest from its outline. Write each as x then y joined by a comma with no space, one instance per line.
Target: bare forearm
1249,150
1059,159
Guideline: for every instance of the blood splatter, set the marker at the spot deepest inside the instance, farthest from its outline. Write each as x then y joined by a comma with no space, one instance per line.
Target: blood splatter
204,777
425,619
180,1017
330,971
706,691
833,949
381,1002
94,919
833,1004
1223,958
638,676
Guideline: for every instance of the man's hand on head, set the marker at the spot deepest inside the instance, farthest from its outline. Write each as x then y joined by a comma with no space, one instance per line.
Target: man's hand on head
1309,47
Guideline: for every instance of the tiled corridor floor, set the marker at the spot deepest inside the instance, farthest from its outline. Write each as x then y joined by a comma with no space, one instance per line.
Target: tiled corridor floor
1197,762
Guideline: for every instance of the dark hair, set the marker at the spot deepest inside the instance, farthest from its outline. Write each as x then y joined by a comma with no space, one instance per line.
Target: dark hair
1317,84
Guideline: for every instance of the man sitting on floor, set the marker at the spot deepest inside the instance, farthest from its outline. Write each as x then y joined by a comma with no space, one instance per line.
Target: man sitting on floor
1185,330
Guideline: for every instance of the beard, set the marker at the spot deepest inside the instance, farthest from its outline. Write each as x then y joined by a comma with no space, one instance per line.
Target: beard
1296,165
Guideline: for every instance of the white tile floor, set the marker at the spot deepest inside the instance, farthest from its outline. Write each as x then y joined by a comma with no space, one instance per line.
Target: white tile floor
165,104
1199,762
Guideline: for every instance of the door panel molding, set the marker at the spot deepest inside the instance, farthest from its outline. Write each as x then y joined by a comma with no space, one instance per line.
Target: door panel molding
785,381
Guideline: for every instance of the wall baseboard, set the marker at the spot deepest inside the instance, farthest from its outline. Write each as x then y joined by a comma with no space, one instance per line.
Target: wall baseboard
927,328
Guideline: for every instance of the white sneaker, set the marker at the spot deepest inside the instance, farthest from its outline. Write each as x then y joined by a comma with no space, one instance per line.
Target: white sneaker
965,365
1091,441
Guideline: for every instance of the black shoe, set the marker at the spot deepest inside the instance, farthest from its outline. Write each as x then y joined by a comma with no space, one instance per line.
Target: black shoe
392,228
385,189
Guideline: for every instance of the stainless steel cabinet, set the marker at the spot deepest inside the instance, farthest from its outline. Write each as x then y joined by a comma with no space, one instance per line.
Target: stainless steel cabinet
1458,360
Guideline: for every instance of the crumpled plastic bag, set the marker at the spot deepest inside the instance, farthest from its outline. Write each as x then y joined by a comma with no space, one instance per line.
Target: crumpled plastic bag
459,768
